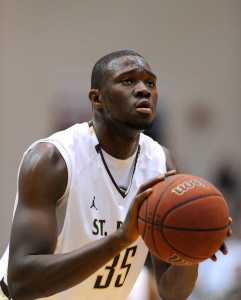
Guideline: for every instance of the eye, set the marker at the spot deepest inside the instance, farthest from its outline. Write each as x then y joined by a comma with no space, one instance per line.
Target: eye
127,81
150,83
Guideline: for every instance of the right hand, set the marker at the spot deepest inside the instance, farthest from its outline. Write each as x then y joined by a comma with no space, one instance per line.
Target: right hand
223,247
129,230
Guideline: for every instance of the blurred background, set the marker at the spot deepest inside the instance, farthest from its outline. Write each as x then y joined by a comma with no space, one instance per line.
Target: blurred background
47,51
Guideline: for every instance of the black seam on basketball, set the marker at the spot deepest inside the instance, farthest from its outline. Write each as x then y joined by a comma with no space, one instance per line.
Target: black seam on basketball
190,229
162,226
144,233
154,214
144,220
195,257
188,201
171,246
183,229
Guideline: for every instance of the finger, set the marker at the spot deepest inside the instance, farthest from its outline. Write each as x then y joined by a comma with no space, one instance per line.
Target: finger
224,249
151,182
155,180
214,257
142,196
170,173
229,233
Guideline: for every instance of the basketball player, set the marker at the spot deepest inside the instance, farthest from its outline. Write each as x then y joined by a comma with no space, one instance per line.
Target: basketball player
74,234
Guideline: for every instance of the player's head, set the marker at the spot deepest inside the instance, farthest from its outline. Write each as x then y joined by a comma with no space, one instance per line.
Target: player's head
124,91
102,64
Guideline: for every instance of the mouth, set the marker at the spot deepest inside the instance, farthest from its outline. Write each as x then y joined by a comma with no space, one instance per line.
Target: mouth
144,106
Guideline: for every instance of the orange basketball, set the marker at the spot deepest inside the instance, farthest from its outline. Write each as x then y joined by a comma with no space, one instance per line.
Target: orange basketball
185,220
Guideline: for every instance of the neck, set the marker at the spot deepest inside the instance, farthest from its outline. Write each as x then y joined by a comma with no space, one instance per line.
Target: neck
118,142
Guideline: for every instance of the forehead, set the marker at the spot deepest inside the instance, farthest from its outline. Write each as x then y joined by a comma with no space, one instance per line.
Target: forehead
127,63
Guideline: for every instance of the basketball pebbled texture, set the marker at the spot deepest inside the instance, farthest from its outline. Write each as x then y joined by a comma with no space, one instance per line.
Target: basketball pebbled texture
185,220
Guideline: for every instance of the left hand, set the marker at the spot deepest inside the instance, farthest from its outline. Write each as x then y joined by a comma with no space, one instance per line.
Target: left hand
129,231
224,248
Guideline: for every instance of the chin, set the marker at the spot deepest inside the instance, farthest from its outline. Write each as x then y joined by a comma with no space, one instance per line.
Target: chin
139,126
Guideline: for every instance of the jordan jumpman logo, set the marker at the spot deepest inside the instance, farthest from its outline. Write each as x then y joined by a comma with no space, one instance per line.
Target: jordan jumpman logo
93,204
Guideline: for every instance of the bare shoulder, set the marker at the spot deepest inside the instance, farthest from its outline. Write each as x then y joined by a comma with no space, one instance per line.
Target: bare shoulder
43,172
42,181
170,161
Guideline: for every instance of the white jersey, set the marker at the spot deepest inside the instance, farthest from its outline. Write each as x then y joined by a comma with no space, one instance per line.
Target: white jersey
93,206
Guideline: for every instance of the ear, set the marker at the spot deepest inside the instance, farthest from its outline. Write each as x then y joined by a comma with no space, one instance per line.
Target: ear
95,99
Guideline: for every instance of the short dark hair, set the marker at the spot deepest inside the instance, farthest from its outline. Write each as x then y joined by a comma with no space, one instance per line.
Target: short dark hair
100,67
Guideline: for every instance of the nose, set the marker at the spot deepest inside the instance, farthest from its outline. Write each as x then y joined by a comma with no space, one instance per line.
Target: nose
142,91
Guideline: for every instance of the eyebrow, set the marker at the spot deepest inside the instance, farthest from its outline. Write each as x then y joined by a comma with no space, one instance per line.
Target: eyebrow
136,70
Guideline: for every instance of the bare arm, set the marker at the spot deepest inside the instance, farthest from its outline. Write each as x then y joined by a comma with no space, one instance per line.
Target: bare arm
32,262
174,282
42,181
